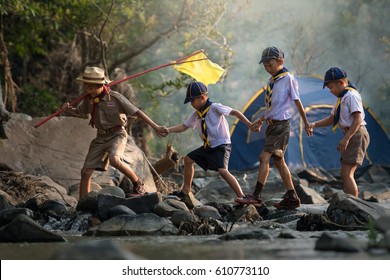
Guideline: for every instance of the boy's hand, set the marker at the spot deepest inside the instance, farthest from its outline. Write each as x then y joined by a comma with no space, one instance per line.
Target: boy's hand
309,129
162,131
256,125
342,146
65,106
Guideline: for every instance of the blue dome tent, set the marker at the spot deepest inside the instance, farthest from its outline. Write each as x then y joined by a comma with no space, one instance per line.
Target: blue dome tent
303,151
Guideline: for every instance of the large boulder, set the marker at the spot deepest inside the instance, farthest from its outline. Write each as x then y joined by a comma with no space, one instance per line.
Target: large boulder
58,148
24,229
345,209
18,188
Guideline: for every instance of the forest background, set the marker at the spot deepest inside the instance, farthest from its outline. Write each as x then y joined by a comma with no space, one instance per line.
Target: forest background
45,45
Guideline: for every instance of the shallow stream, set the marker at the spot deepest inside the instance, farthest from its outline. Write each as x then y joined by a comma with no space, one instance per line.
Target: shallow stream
201,248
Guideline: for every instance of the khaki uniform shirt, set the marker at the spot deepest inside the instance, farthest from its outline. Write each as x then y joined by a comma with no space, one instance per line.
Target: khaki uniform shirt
111,111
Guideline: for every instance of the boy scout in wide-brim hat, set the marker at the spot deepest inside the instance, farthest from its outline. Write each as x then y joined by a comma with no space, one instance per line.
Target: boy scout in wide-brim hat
93,75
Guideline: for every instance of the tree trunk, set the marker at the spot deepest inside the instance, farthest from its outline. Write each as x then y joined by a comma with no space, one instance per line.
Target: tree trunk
4,115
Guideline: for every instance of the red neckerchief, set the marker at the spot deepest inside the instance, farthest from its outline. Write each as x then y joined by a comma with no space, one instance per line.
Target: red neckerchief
96,101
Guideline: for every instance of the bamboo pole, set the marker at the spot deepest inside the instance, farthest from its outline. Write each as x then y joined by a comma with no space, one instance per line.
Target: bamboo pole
178,61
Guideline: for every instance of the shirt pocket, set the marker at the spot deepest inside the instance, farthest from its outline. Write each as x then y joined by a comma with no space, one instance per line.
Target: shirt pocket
109,115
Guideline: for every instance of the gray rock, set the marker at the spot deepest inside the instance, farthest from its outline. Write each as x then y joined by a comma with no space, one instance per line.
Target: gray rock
383,223
24,229
8,215
216,190
373,174
128,225
180,217
58,149
206,211
327,242
316,175
375,192
309,196
385,241
142,204
176,204
257,234
54,208
168,207
119,210
115,191
345,209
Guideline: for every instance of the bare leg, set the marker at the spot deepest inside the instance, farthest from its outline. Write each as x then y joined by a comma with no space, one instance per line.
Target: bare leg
284,172
232,181
347,174
264,159
290,200
189,171
85,182
116,162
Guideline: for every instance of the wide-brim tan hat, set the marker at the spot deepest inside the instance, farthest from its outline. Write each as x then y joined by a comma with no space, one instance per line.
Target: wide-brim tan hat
93,75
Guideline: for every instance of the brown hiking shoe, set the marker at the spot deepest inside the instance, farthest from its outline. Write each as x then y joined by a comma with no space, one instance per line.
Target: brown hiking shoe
248,199
288,202
137,190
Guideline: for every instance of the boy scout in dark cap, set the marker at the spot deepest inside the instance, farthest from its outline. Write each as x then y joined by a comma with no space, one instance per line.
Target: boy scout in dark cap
210,122
108,110
348,115
282,88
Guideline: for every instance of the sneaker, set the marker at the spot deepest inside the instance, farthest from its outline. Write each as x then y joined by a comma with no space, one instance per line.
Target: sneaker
137,190
248,199
288,203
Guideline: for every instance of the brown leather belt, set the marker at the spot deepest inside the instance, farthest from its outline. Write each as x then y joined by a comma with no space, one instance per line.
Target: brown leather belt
110,130
270,121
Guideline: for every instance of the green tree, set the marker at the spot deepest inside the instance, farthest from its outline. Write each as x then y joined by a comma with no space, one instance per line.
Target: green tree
56,39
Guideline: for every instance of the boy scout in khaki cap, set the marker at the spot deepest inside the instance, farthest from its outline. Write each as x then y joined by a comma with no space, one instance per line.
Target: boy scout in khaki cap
347,115
108,111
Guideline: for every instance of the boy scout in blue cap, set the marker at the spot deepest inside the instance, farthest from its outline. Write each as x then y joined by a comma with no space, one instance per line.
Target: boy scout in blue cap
108,110
210,122
348,115
282,88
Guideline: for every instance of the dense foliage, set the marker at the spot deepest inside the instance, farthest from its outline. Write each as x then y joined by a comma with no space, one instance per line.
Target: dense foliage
45,45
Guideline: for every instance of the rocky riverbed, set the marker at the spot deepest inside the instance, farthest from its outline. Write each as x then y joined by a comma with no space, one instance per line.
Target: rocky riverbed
41,217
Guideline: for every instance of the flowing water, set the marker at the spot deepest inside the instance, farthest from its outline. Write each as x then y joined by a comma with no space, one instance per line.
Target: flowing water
199,248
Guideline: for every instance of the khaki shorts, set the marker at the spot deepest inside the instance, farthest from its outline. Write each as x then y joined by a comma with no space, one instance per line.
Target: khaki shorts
112,143
357,147
276,138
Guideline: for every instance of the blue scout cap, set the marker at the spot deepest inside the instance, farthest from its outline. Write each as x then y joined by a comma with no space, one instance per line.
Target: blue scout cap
195,89
271,53
333,74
